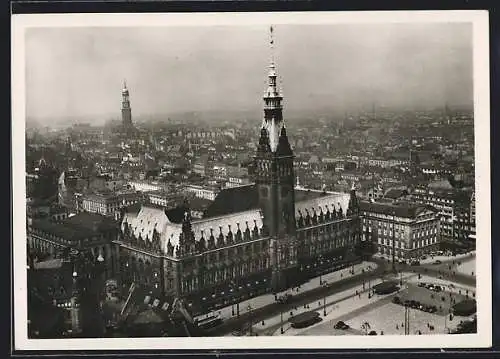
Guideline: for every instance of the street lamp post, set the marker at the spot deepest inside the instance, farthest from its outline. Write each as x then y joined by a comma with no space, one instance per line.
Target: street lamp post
324,301
281,315
407,320
445,322
320,270
393,241
250,317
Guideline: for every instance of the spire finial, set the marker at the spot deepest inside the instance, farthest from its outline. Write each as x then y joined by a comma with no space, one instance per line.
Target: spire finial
271,30
125,83
271,43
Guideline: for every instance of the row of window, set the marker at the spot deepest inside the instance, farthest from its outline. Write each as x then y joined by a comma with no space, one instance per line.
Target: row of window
423,233
405,245
222,275
327,246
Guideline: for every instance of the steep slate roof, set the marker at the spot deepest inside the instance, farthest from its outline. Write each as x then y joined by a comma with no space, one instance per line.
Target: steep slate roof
305,194
216,224
395,193
232,200
60,230
404,210
91,222
146,220
150,218
199,203
332,201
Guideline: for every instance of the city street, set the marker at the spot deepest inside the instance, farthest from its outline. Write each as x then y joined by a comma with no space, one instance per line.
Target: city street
378,311
267,299
343,289
299,299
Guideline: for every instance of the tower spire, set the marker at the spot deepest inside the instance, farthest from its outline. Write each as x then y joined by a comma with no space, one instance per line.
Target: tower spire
273,117
126,110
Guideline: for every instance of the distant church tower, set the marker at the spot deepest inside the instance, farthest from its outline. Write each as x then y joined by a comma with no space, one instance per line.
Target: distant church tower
126,110
275,180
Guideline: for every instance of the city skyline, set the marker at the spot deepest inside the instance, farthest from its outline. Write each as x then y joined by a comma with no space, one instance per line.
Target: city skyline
78,72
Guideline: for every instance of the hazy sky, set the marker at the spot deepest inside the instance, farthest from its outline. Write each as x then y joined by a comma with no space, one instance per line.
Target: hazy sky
79,71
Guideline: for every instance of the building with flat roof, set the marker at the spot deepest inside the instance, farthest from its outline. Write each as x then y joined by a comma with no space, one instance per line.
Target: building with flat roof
108,203
456,213
406,229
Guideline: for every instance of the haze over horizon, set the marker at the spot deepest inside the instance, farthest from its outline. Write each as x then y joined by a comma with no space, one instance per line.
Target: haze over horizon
79,72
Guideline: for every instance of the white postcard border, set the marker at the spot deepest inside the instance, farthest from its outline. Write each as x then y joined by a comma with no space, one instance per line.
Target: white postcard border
479,19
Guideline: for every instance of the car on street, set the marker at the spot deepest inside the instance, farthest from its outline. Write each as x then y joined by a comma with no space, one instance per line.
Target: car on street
414,263
285,298
437,262
341,325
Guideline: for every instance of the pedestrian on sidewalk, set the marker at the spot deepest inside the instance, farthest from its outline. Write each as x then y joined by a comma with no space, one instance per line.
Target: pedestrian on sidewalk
397,327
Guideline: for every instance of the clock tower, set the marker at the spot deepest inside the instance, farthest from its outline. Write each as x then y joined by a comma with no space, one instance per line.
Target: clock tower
126,110
275,179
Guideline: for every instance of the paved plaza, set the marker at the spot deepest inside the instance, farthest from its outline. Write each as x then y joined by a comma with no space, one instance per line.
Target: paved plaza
378,313
467,267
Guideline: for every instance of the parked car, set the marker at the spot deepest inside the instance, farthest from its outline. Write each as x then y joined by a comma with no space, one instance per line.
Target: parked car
437,262
414,263
373,332
341,325
434,287
285,299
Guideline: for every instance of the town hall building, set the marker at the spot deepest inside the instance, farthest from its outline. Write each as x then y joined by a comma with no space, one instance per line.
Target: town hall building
263,237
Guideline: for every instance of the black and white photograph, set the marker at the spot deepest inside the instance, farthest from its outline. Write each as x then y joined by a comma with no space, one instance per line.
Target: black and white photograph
251,180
